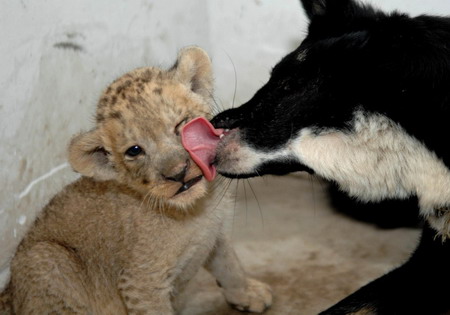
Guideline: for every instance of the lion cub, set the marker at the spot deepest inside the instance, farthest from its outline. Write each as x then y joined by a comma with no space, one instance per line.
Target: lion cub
136,227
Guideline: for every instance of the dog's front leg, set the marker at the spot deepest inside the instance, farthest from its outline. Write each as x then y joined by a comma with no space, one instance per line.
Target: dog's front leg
241,292
416,287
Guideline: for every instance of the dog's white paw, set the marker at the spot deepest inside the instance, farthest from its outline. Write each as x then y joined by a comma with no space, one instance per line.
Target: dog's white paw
255,297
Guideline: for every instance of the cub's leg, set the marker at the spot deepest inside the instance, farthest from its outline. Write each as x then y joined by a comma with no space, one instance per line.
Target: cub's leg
146,289
417,287
48,279
242,293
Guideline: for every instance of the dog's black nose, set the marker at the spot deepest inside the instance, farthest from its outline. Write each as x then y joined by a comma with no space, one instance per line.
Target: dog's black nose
227,119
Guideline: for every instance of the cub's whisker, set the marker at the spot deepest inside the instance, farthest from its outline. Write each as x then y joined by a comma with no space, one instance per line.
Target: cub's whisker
215,107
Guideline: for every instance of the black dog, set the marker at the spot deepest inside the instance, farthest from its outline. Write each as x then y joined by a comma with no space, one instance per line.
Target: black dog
364,102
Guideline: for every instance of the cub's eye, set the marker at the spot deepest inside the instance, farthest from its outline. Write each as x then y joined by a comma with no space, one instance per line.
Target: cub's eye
134,151
179,125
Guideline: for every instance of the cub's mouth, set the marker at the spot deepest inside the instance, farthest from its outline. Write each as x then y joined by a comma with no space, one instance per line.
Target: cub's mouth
187,185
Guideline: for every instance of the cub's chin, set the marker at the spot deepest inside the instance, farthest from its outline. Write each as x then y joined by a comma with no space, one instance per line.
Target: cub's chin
189,193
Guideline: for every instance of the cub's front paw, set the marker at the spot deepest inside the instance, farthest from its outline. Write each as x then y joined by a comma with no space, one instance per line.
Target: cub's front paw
255,297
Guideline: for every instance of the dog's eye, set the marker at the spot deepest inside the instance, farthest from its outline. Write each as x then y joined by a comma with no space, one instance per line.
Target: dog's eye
134,151
179,125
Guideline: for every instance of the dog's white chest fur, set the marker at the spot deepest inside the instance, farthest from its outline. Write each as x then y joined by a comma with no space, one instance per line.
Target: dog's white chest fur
374,160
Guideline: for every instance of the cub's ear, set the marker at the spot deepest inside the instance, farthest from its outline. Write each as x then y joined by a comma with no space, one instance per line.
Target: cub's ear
193,68
314,8
88,157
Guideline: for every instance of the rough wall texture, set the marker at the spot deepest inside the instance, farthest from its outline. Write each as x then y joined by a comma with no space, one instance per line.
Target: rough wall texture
57,56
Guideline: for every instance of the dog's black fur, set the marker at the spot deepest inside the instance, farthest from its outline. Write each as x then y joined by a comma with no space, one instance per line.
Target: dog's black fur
384,214
358,59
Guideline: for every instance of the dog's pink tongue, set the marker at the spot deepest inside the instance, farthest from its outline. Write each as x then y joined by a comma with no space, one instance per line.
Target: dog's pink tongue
200,139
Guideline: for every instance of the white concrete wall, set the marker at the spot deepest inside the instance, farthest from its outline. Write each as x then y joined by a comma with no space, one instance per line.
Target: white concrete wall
57,56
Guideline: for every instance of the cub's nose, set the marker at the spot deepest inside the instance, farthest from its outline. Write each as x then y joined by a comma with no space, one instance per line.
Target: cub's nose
178,173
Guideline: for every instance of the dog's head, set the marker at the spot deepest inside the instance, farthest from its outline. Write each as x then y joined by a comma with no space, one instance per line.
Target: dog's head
356,63
363,101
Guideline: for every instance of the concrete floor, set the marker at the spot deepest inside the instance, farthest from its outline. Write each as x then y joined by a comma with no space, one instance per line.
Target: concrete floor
287,235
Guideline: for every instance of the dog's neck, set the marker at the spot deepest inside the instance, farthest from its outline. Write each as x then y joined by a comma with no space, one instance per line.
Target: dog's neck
379,160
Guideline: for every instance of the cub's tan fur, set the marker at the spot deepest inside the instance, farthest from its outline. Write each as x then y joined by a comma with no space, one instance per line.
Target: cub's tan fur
120,240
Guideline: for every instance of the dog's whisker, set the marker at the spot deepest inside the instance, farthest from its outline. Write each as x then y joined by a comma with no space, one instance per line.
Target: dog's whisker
223,193
235,202
246,204
257,202
218,182
235,84
222,187
235,79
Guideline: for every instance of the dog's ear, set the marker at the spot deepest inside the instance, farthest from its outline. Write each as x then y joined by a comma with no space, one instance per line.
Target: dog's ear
314,8
194,69
88,157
